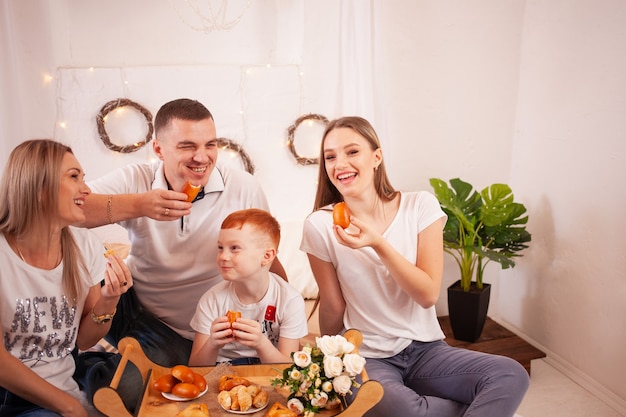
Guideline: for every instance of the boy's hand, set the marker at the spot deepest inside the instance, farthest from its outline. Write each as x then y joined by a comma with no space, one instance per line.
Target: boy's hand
248,333
221,333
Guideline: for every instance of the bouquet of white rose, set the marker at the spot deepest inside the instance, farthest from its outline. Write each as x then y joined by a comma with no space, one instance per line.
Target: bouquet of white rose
321,375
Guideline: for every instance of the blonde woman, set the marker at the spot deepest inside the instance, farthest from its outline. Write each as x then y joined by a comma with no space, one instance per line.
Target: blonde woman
382,275
57,290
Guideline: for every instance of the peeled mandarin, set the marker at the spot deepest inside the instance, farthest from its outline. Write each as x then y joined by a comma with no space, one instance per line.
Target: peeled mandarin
341,215
191,191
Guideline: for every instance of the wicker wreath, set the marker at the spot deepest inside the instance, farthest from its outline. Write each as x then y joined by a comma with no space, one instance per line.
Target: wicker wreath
292,131
109,107
229,145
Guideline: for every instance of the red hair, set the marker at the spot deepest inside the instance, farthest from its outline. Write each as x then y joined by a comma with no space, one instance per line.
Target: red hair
261,220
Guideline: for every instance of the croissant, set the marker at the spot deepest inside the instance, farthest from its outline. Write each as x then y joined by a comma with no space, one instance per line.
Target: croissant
223,399
234,398
253,389
228,382
244,398
260,399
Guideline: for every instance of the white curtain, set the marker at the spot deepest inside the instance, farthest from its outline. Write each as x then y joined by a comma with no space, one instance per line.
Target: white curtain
360,66
9,129
356,59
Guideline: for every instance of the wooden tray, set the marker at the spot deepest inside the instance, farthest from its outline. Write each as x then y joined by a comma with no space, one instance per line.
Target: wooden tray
153,404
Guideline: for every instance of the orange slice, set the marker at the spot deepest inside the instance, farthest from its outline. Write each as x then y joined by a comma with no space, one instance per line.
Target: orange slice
191,191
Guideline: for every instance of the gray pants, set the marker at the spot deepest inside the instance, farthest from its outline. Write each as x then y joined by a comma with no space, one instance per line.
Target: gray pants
436,380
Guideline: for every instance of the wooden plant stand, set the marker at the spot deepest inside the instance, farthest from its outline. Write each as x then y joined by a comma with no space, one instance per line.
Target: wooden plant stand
497,340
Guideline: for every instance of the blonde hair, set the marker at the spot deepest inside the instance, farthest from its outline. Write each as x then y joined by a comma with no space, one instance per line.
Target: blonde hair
326,192
30,188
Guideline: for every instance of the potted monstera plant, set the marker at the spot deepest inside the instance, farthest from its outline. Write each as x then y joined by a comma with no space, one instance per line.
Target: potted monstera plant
482,227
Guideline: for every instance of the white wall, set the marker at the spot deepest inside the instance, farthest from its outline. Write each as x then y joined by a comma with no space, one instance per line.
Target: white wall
528,93
568,163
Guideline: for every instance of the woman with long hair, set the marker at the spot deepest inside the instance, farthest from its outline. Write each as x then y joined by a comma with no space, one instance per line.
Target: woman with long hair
382,275
57,290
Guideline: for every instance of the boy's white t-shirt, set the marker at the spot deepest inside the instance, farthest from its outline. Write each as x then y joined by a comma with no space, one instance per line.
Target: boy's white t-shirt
281,313
39,325
388,317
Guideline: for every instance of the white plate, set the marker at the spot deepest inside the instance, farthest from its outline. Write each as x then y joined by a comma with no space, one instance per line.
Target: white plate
251,410
173,397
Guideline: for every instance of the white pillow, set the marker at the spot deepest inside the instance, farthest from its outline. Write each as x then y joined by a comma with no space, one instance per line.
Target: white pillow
295,262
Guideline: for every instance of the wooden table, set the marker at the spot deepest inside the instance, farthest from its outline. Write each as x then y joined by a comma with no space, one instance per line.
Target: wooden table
497,340
153,404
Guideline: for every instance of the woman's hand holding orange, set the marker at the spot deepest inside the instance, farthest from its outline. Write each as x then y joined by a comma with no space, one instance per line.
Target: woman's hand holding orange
359,236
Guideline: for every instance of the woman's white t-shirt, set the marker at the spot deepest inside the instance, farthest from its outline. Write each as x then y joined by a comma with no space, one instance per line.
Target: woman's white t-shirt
388,317
39,324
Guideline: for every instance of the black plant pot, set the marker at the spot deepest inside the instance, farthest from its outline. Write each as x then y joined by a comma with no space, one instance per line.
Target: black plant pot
468,310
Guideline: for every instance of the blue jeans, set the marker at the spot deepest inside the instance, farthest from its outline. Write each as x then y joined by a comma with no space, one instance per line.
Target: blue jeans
161,345
436,380
13,406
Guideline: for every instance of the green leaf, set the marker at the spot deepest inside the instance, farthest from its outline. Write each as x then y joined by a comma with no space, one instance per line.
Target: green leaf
481,227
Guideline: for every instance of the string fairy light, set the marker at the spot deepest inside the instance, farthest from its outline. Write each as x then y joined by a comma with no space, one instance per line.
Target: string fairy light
211,19
249,71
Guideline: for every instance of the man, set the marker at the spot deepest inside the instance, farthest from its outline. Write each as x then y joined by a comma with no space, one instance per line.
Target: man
173,242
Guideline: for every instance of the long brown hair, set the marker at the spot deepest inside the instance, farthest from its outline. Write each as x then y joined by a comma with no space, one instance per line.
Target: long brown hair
327,193
30,198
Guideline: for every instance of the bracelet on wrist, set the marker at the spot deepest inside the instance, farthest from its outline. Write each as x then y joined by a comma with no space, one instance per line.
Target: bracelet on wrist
110,209
102,318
